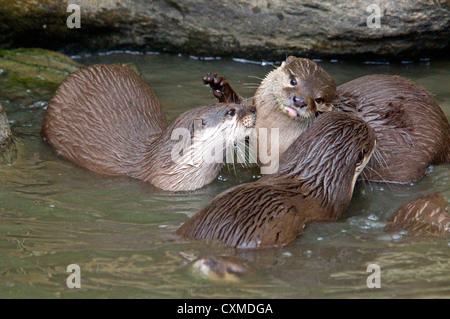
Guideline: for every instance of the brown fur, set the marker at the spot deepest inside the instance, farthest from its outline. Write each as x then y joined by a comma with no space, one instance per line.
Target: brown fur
426,215
106,118
412,130
315,183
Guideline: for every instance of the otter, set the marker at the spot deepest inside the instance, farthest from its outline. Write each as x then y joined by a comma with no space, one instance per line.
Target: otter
412,130
425,215
107,119
221,268
314,183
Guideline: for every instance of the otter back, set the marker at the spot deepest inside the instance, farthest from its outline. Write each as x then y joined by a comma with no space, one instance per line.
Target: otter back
412,130
103,117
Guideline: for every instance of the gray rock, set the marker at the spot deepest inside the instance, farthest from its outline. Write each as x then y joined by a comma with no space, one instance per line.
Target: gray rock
7,146
245,28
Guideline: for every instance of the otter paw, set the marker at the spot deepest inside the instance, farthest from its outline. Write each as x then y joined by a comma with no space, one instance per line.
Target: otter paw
220,86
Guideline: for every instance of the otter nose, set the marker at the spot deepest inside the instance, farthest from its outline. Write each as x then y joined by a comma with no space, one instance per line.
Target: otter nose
298,101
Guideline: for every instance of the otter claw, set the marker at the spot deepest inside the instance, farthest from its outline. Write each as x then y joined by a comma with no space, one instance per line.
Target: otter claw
221,88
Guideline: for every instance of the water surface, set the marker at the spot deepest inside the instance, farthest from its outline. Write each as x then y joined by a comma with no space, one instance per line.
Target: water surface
121,231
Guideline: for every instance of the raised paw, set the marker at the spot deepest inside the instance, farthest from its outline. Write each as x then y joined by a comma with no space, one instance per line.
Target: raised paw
222,90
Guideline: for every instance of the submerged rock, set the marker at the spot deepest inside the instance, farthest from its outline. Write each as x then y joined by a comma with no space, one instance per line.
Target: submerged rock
7,147
245,28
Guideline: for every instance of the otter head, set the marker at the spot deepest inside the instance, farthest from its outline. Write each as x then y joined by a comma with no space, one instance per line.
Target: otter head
300,89
197,143
227,122
220,268
329,156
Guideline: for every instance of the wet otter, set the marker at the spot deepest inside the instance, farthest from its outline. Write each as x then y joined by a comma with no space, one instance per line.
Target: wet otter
221,268
412,130
105,118
315,183
426,215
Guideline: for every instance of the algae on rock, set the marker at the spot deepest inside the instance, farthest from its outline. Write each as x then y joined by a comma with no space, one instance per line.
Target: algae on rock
24,71
8,150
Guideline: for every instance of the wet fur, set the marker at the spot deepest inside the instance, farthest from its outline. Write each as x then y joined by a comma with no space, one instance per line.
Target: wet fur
426,215
314,183
269,97
106,118
412,130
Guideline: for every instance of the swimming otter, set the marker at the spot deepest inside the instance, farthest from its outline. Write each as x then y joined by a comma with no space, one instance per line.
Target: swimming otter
315,183
426,215
221,268
106,118
412,130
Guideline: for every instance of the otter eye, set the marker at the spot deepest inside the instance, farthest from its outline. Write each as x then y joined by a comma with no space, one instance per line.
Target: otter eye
230,271
319,100
361,156
293,82
231,112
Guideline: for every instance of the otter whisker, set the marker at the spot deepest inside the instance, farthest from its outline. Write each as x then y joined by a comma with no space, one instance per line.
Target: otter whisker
243,148
271,64
363,174
255,77
380,160
381,177
380,155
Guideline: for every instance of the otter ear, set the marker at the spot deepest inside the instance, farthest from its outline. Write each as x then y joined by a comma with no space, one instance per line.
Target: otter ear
290,59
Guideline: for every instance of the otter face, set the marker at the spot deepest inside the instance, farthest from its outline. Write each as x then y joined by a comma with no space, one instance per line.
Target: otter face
231,120
221,268
213,133
234,122
302,89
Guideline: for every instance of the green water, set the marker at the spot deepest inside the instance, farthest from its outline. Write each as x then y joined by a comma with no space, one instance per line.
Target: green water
121,231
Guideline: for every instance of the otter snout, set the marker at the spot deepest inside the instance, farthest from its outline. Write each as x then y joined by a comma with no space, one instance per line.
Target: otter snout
298,102
220,268
248,117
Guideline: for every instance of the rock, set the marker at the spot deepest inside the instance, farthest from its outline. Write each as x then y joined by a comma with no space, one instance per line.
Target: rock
246,28
7,146
29,75
32,72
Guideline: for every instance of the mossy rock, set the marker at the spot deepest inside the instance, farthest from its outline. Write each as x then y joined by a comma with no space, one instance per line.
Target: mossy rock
25,70
34,74
8,150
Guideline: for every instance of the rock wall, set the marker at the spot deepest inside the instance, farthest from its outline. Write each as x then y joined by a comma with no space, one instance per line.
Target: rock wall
244,28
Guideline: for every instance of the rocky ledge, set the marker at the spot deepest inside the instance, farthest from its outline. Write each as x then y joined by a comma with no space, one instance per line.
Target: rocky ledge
259,29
